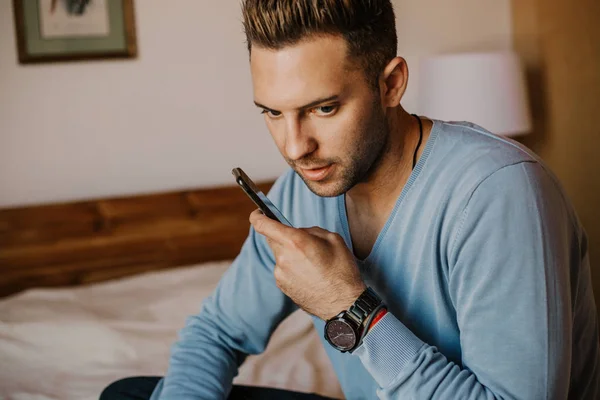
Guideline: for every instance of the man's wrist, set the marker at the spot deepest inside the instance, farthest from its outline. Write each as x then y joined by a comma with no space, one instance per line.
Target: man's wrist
349,300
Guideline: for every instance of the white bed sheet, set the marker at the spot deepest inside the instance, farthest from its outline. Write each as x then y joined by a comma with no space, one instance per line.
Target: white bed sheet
70,343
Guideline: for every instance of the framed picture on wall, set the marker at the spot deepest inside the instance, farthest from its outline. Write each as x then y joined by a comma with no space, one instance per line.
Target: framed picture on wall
67,30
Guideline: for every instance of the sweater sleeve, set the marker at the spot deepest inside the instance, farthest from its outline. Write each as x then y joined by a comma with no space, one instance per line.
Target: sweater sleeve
510,266
236,320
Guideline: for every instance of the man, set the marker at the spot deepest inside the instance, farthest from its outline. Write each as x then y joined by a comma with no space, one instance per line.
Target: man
439,261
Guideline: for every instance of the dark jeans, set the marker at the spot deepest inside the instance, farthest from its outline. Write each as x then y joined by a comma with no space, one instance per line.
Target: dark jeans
141,387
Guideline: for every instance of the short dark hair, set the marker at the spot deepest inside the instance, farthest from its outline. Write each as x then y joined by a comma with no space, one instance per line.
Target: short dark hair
368,26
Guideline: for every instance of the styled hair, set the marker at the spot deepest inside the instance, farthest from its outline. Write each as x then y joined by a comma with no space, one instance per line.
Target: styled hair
368,27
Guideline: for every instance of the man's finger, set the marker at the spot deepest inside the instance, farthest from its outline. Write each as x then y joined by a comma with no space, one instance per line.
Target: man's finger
317,231
273,230
275,246
321,233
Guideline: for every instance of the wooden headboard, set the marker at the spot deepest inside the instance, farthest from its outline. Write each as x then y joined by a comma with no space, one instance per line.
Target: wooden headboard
90,241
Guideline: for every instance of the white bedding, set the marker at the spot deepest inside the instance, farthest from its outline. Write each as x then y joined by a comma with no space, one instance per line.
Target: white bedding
71,343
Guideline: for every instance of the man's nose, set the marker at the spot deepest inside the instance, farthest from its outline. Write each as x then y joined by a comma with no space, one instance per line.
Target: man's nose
299,140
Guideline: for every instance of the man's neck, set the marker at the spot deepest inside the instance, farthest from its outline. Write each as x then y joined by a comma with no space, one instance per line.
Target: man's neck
385,183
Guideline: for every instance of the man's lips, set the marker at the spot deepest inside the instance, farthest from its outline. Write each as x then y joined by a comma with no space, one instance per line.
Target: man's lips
317,174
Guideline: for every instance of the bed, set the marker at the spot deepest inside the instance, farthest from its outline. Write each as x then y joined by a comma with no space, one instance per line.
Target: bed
96,290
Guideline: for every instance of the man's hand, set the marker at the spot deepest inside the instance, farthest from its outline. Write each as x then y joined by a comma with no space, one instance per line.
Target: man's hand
312,266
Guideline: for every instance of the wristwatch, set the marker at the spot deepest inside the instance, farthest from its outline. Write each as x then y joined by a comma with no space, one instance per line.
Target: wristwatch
346,330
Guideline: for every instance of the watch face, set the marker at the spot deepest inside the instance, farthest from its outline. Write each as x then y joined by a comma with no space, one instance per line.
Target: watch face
341,334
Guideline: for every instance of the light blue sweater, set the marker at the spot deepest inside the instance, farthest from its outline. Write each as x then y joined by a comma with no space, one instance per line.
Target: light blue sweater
482,263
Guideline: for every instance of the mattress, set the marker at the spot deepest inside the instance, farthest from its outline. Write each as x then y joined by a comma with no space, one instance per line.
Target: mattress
70,343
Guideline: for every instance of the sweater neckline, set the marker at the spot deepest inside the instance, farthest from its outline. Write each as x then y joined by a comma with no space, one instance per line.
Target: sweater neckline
341,199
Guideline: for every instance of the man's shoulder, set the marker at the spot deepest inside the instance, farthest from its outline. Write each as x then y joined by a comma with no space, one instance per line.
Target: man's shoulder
463,156
466,154
473,144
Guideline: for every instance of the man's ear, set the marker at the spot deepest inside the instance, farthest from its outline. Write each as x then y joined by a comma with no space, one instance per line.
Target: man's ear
393,82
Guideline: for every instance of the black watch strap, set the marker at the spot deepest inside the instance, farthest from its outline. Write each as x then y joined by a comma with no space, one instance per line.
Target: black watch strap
364,306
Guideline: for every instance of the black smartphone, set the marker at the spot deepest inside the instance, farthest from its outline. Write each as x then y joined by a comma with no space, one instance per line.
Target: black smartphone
258,197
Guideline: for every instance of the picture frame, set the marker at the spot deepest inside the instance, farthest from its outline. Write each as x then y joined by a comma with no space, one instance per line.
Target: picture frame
73,30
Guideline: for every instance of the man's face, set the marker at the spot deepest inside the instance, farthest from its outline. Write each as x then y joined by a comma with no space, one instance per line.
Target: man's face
325,118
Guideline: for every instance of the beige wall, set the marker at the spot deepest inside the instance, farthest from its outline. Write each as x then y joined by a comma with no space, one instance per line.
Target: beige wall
560,42
181,115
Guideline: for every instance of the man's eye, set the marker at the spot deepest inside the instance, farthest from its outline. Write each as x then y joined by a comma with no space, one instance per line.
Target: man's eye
271,113
325,110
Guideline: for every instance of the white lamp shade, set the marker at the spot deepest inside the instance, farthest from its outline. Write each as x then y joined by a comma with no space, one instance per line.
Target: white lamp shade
487,89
